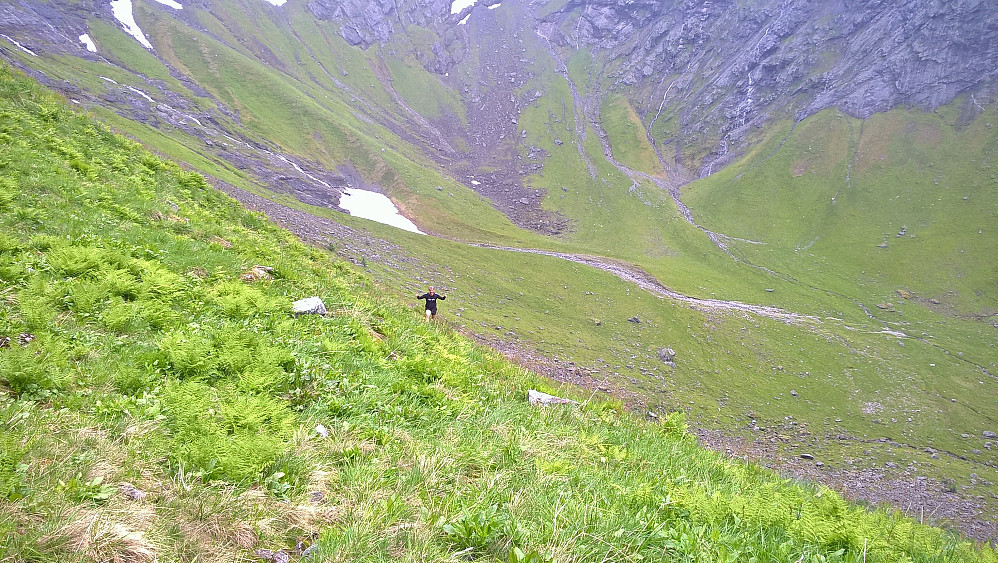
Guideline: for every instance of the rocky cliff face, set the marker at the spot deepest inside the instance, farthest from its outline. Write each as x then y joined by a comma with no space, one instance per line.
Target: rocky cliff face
723,66
365,22
701,74
716,68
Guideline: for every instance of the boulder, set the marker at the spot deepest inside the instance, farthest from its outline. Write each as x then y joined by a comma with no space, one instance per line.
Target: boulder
668,356
543,399
309,306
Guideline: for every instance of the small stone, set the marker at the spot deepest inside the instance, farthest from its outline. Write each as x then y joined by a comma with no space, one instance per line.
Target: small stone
131,492
25,338
322,431
793,393
5,342
990,434
634,320
257,273
279,556
806,456
440,188
316,497
819,464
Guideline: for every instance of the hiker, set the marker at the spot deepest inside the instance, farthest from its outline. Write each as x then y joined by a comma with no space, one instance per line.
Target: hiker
431,303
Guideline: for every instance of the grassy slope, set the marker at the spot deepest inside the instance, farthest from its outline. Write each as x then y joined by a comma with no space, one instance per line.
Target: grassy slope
155,364
628,137
917,175
849,367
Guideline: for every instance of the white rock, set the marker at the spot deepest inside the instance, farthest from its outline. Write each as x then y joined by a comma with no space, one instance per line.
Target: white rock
309,306
537,398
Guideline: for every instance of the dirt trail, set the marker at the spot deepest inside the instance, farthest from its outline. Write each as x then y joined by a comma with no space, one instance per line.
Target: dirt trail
648,283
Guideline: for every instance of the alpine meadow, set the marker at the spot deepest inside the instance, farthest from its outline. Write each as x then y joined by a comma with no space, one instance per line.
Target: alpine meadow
721,281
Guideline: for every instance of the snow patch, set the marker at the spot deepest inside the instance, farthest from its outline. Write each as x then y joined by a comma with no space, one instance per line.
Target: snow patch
122,10
464,20
376,207
171,3
86,40
494,6
111,80
277,2
458,5
22,47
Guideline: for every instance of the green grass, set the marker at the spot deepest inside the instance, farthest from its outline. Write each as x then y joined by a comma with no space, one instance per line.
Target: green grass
628,138
423,91
914,215
152,363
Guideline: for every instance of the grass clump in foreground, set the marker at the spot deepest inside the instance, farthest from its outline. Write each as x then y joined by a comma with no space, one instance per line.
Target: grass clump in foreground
159,407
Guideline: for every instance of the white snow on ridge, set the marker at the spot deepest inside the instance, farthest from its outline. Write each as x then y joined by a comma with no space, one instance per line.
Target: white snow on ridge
465,20
171,3
277,2
22,47
494,6
123,13
458,5
376,207
86,40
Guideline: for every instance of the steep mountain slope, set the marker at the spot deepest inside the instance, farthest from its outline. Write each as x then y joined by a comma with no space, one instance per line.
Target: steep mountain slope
573,129
162,403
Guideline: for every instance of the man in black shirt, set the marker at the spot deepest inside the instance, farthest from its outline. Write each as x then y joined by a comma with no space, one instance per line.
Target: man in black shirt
431,303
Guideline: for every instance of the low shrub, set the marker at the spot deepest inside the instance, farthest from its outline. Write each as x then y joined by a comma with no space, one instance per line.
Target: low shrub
220,434
36,367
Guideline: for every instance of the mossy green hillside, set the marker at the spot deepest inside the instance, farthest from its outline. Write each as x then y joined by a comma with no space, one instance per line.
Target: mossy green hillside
628,138
901,201
277,102
734,370
155,364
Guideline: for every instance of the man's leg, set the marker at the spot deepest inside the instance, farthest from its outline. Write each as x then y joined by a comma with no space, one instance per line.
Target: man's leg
429,315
